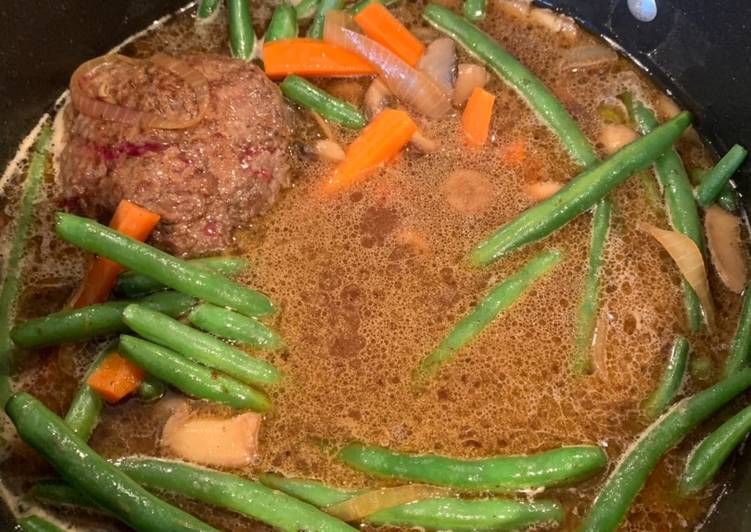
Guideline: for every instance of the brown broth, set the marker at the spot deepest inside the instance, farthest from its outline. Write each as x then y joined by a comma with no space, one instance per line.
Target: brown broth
369,280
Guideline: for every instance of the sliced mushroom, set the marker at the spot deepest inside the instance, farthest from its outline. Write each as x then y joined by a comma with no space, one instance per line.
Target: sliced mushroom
423,143
725,247
515,8
377,97
615,136
439,62
324,126
328,150
214,441
554,22
542,190
468,191
468,78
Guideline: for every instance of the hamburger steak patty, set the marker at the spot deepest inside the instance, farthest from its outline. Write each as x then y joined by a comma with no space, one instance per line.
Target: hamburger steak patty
205,180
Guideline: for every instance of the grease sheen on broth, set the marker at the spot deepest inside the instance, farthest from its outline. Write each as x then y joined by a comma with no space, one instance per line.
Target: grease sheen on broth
370,280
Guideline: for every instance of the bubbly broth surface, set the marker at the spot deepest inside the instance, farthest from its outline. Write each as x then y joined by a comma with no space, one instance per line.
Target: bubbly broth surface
369,280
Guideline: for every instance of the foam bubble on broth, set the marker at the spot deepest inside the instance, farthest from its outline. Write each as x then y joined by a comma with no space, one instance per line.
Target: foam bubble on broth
360,308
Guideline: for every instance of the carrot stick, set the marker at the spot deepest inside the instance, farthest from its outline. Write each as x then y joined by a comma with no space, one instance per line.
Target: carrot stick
378,143
131,220
115,378
476,117
312,57
380,25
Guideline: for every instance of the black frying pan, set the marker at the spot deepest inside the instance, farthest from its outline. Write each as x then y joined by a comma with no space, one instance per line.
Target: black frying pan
699,50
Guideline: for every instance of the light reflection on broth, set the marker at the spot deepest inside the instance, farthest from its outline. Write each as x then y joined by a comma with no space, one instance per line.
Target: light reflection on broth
368,282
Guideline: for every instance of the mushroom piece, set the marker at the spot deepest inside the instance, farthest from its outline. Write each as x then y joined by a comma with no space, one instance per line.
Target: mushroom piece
615,136
725,247
439,63
542,190
377,97
328,150
469,77
214,441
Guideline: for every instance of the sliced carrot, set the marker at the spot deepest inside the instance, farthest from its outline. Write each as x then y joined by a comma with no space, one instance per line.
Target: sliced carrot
515,152
312,57
380,25
115,378
131,220
378,143
477,115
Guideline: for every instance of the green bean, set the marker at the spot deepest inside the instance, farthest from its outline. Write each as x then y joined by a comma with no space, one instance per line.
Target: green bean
728,198
91,474
639,460
199,346
474,10
206,10
306,9
483,47
14,259
555,116
311,491
308,95
103,319
500,298
283,24
467,515
437,514
671,380
740,347
151,389
707,457
83,412
715,181
679,199
191,378
588,306
498,474
315,31
224,490
34,523
580,193
355,8
241,35
233,326
134,284
168,270
59,493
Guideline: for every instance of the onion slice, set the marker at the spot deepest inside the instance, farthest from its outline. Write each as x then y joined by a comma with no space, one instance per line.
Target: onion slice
588,56
194,79
97,108
686,255
724,241
373,501
412,86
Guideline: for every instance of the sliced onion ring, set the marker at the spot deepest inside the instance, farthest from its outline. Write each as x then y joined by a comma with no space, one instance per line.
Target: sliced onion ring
372,501
94,107
686,255
194,79
413,87
100,109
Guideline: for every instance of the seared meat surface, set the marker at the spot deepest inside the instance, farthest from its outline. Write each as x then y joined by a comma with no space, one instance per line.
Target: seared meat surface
204,180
